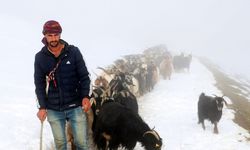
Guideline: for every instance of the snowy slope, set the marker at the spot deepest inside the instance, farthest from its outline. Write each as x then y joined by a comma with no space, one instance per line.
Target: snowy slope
172,109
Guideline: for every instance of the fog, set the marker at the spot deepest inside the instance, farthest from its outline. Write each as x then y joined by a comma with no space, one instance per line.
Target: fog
218,29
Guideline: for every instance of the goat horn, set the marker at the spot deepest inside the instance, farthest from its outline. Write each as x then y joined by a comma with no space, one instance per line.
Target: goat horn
95,73
214,95
225,102
104,70
94,86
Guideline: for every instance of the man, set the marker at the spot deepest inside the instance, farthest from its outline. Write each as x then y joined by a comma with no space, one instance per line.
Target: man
62,87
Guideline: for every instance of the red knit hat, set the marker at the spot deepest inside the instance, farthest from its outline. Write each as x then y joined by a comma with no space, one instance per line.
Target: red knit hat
52,26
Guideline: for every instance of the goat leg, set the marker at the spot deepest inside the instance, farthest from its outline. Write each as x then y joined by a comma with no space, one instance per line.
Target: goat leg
215,128
203,125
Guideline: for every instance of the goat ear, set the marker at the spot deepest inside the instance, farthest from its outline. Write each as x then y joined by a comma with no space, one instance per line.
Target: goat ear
95,94
92,101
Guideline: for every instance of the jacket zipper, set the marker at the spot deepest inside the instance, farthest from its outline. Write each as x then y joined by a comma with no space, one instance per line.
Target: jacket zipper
61,100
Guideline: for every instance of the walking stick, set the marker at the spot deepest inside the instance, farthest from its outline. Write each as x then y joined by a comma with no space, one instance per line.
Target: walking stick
41,136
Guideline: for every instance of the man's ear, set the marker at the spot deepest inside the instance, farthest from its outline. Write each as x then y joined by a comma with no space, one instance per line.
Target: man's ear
44,41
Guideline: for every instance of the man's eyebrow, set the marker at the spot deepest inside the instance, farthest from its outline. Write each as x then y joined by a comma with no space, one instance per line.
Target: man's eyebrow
55,34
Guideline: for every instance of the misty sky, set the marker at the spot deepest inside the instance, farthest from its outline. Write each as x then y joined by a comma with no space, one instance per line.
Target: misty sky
203,27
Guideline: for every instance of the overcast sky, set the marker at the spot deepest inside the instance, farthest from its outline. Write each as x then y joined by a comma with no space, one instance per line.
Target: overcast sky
114,27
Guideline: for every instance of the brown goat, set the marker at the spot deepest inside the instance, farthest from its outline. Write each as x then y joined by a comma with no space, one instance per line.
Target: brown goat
70,138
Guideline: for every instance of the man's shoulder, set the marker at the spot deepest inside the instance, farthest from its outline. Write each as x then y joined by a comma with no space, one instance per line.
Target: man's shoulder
73,49
68,47
42,53
39,53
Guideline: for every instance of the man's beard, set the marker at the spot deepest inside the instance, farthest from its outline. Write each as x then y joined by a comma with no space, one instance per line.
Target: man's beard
53,43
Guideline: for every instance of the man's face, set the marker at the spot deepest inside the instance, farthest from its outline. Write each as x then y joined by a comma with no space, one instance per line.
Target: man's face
53,39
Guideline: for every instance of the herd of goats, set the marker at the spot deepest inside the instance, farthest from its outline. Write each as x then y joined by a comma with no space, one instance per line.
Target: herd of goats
114,121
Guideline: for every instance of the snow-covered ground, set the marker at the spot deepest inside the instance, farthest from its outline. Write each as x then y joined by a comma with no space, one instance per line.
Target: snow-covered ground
171,108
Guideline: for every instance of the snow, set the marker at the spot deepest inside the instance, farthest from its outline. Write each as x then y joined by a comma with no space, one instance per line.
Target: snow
171,108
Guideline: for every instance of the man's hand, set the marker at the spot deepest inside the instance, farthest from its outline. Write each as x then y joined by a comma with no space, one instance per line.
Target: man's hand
42,114
86,104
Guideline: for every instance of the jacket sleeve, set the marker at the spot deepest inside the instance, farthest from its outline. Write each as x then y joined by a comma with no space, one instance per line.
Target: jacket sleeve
83,74
40,83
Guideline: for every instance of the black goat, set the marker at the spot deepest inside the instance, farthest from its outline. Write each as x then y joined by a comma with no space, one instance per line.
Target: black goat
180,62
98,98
119,126
120,92
210,108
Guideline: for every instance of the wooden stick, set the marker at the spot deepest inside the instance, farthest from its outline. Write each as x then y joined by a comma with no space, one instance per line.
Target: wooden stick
41,136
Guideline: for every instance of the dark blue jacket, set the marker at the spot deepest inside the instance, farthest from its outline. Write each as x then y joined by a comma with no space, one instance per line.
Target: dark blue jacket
72,82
